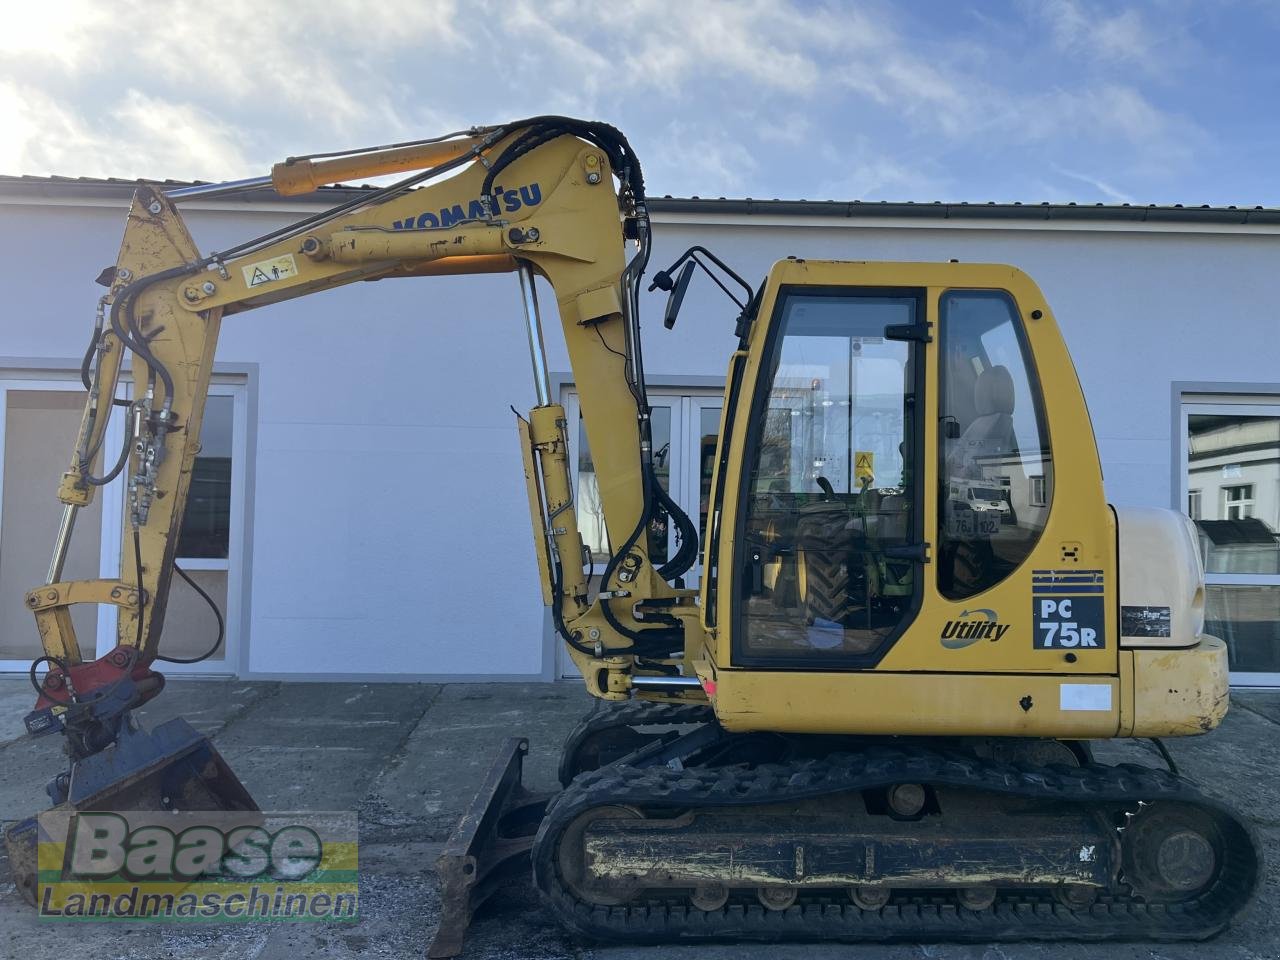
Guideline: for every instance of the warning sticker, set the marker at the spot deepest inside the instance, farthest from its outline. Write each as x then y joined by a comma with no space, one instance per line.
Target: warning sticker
864,466
269,271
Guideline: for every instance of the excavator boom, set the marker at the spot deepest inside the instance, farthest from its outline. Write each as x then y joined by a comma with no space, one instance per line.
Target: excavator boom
550,198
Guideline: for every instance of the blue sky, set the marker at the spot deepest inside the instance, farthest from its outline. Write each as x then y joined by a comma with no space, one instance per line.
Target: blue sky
1167,101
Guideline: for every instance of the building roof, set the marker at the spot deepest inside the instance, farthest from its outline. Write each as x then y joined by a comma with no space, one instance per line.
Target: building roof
92,188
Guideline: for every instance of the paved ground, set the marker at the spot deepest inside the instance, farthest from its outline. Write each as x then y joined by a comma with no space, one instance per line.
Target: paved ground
408,758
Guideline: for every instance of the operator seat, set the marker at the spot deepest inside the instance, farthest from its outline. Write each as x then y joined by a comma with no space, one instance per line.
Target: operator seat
989,440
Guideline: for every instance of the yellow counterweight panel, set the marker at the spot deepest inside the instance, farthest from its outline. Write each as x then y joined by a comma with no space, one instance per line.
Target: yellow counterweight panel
1177,693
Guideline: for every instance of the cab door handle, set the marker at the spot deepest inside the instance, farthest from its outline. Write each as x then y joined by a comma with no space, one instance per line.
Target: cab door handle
755,572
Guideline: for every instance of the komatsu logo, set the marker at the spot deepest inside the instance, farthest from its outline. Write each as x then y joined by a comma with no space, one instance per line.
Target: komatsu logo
972,626
502,201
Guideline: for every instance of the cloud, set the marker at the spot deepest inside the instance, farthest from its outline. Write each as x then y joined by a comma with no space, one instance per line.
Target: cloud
1114,115
1095,31
1104,189
701,159
763,44
790,129
771,97
1105,35
64,33
166,139
258,68
863,170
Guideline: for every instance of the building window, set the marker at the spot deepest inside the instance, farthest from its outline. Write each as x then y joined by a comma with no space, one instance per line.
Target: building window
1231,468
1036,492
206,525
207,538
1237,502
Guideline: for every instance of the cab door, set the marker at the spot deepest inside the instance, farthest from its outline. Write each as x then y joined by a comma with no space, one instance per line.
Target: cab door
829,542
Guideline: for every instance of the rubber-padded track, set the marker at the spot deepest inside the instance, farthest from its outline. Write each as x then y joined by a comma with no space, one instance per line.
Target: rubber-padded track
1016,915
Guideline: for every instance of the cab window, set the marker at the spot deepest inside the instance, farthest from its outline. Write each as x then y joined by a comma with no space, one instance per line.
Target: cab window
995,463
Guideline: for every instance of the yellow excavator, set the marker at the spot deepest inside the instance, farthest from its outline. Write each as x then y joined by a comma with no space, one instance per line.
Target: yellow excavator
872,718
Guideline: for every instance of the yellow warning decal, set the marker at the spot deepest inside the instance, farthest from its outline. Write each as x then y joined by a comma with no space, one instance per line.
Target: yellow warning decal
864,466
269,271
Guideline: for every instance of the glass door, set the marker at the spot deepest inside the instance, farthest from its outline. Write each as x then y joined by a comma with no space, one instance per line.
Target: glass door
210,547
1231,489
685,427
666,424
209,544
39,421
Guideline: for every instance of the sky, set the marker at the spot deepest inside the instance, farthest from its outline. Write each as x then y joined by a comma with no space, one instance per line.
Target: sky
1165,101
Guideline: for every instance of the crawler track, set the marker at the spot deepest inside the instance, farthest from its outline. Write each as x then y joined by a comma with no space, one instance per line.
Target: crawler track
1116,796
614,730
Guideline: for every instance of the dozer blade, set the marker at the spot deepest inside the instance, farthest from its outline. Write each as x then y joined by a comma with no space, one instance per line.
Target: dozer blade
490,844
171,768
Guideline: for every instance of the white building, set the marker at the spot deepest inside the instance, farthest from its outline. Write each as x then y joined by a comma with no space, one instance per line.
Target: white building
361,507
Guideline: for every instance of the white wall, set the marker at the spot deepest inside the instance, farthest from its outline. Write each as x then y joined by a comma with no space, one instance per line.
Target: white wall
390,530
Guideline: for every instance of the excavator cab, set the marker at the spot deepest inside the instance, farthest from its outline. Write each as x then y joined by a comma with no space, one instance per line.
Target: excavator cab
902,472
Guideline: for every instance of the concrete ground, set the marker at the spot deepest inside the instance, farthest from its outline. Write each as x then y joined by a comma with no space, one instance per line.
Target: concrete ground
408,757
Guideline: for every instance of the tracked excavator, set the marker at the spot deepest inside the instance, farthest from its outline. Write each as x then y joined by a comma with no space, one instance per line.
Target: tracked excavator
871,719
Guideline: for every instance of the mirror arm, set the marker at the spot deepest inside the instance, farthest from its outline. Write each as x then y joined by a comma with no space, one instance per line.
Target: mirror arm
662,280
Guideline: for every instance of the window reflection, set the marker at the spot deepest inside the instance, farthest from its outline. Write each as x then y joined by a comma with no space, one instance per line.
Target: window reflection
206,525
591,511
1248,619
1233,475
1233,495
708,432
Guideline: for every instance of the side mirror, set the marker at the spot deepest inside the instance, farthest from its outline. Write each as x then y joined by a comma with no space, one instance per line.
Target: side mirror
677,294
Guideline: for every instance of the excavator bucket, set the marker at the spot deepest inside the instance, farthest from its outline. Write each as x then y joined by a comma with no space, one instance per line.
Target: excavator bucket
490,844
172,767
